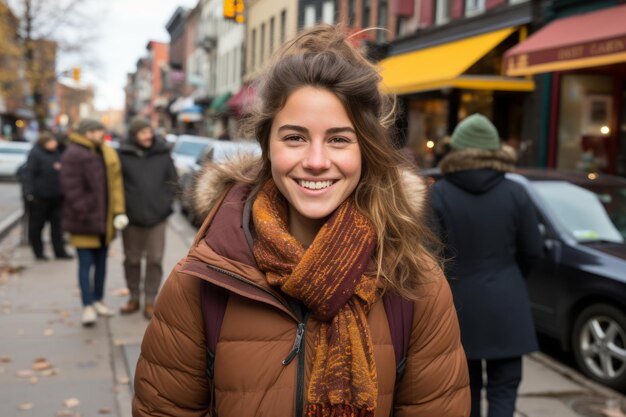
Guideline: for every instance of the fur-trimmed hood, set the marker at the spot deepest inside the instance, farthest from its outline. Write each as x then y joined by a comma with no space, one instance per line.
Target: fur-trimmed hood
213,181
478,170
502,159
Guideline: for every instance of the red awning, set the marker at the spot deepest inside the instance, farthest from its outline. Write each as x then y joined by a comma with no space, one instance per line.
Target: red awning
240,103
581,41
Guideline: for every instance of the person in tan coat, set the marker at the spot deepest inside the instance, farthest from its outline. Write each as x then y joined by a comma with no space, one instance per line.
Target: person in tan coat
303,242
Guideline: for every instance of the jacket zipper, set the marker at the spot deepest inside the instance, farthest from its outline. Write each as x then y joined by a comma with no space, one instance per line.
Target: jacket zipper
298,350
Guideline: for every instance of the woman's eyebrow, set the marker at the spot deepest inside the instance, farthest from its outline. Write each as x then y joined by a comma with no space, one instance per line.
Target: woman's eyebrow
332,130
293,127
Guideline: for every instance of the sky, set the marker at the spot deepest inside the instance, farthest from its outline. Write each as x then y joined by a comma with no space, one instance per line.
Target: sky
126,28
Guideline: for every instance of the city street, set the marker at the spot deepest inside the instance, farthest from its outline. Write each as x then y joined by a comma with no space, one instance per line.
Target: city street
50,365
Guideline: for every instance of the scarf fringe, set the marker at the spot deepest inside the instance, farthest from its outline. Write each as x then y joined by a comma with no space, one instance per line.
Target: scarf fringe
337,410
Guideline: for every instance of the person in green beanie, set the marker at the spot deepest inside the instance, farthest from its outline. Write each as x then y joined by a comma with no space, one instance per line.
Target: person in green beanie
491,234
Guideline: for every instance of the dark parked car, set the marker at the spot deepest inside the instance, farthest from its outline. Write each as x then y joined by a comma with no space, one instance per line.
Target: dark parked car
218,151
578,290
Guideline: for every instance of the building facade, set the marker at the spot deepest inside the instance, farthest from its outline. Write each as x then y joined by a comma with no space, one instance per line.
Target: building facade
577,58
445,63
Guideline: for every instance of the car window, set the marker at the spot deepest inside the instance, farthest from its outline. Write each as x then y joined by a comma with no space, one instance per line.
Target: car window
584,212
189,148
14,151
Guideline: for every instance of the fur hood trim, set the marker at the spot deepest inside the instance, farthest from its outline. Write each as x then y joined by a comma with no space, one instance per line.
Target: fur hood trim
214,180
502,159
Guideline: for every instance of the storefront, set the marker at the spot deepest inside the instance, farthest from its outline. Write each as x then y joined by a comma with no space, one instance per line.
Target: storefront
442,84
581,60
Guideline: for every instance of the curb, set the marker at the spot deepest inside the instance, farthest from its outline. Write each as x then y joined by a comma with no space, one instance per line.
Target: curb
576,377
9,222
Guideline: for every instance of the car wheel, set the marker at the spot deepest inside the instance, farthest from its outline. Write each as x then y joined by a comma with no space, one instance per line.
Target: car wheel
599,344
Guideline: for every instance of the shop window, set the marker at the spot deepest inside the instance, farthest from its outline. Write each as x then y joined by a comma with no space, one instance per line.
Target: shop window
283,25
328,12
474,7
383,10
584,122
443,12
517,1
309,15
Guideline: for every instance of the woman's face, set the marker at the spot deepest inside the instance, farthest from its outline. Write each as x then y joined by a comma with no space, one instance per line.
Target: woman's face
314,154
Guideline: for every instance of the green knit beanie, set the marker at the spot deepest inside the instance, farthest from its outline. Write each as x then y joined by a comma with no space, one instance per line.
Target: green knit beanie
475,132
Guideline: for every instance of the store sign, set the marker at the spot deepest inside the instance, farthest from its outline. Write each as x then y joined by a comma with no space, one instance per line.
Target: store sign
234,10
585,54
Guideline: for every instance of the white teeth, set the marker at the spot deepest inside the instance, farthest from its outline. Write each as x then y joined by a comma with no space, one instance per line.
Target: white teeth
315,185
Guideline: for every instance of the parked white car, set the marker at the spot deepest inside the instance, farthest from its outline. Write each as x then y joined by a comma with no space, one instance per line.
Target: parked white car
186,150
12,156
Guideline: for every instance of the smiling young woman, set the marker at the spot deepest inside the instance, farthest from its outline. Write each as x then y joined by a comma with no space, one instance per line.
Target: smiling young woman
301,244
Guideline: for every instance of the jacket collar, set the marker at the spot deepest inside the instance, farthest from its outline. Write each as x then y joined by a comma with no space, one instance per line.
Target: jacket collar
83,141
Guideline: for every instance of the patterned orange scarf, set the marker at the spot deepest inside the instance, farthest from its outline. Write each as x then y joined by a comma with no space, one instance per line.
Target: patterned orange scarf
329,279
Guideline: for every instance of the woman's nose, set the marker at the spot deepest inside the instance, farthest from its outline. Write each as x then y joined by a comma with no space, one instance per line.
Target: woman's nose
316,157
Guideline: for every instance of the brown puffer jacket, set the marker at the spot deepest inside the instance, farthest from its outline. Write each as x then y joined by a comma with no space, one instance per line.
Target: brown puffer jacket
259,330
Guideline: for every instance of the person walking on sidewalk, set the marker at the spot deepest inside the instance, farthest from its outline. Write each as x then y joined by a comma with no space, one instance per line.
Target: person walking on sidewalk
91,181
491,234
299,247
150,183
42,192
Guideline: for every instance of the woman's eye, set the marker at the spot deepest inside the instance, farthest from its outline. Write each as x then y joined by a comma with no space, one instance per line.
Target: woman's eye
339,139
294,138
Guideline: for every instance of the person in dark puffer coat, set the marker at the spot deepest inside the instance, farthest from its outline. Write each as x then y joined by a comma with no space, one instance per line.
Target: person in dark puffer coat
42,192
150,184
93,209
490,230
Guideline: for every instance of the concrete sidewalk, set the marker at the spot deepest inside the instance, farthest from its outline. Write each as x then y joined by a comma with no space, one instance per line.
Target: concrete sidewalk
51,366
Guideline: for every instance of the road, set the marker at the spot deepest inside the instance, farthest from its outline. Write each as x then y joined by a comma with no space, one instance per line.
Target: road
10,197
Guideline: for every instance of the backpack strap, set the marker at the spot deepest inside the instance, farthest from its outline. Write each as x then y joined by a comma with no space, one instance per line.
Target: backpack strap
400,318
213,300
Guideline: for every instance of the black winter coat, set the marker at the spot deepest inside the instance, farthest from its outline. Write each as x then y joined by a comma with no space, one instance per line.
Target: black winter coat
491,234
150,182
40,177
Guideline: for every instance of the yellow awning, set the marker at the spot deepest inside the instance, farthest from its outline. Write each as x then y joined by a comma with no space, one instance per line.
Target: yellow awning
443,66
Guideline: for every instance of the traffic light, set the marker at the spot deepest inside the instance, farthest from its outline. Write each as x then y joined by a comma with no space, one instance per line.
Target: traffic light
76,74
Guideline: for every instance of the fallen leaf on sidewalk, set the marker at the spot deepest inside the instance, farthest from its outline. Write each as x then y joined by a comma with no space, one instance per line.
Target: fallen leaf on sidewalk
25,406
24,373
123,380
5,359
612,413
104,410
71,402
49,372
33,380
41,364
119,342
67,413
48,332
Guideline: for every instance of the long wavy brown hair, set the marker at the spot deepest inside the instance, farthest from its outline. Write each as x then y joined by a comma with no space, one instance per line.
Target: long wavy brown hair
322,57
